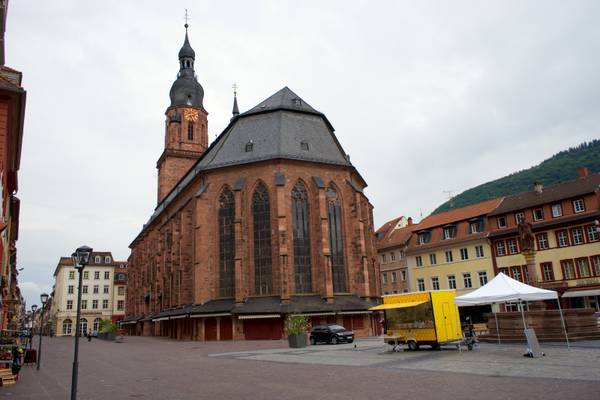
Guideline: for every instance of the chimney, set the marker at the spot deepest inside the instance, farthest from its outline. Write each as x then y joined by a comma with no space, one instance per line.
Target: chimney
582,172
538,187
410,221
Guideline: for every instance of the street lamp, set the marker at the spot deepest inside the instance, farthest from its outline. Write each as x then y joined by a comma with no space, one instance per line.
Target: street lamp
33,309
81,258
44,300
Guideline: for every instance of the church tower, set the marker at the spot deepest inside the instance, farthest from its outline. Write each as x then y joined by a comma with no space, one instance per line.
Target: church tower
186,125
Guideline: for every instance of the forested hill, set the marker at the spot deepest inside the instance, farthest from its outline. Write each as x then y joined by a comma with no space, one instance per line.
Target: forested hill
558,168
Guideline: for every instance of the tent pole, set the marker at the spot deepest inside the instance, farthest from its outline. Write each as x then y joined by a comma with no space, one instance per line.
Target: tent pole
497,327
523,315
562,319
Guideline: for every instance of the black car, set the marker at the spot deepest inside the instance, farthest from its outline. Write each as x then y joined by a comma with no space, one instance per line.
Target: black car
330,333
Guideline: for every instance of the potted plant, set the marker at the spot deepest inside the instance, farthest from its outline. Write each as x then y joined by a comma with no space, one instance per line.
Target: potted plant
295,326
107,330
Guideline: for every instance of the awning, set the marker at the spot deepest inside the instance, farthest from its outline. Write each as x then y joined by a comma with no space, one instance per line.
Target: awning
259,316
581,293
210,315
317,314
128,322
390,306
354,312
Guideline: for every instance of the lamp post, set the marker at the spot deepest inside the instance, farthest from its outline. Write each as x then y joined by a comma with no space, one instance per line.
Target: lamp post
33,309
81,258
44,300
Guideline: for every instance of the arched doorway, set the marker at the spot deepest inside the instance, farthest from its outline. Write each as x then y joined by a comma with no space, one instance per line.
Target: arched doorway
67,326
83,324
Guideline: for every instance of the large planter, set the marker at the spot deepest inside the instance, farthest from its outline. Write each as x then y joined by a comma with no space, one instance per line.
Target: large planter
107,336
297,341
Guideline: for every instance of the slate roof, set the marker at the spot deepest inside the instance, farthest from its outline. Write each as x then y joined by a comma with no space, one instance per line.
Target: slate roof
565,190
301,304
277,127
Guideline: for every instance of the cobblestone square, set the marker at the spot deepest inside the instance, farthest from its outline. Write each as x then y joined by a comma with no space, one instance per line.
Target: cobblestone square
154,368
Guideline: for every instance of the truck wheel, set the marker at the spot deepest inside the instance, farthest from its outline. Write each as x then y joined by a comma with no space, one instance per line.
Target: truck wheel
412,345
436,346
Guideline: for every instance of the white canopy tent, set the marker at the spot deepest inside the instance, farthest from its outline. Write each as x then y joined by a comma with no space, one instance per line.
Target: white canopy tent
504,289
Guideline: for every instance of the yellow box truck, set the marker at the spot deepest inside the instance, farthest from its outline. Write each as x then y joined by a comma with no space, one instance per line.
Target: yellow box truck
421,318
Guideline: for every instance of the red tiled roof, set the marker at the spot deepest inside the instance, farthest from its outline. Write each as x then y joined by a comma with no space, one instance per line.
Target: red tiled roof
460,214
385,228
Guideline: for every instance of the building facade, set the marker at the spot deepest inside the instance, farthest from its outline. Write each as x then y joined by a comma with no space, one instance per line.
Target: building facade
564,222
392,241
12,115
104,284
268,220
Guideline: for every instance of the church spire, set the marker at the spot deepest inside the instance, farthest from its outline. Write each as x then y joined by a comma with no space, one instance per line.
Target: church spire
236,110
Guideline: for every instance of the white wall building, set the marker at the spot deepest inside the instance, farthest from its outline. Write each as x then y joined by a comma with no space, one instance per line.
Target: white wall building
102,295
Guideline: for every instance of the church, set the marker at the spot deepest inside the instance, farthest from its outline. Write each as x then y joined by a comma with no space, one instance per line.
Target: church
269,219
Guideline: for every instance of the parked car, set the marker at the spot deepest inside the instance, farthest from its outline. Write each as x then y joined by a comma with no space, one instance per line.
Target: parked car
330,333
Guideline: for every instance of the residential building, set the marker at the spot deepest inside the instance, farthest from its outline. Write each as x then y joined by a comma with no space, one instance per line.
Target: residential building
104,281
12,115
391,241
269,219
564,220
450,250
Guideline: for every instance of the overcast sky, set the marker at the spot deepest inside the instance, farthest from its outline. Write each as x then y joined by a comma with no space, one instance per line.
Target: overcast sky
424,96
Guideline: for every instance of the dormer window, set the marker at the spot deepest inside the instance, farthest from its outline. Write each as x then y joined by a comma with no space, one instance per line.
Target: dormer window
190,131
449,232
107,260
304,145
97,259
501,221
538,214
249,146
476,226
424,237
519,218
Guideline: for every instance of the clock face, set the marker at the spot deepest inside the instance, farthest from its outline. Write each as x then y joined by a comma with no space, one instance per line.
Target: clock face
191,114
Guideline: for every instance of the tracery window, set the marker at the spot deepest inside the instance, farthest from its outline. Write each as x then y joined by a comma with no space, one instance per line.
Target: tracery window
261,216
301,239
336,244
226,244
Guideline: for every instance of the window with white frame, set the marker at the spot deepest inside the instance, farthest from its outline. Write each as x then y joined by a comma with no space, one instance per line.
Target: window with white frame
86,274
467,280
97,275
107,260
96,289
70,289
121,291
538,214
419,261
120,305
479,251
435,283
97,259
483,279
384,278
511,244
424,237
562,238
577,234
596,265
464,254
394,277
476,226
568,269
542,241
451,282
393,256
448,254
383,257
432,259
516,273
578,206
106,274
71,274
556,210
421,285
401,254
500,249
593,233
84,289
501,221
403,274
94,304
519,218
547,271
84,304
104,304
449,232
583,267
105,289
69,304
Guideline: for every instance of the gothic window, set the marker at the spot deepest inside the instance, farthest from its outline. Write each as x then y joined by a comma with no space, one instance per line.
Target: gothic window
301,238
226,244
334,215
262,240
190,131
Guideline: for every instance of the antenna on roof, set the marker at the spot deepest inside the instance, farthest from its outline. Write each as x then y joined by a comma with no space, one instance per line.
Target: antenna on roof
450,196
